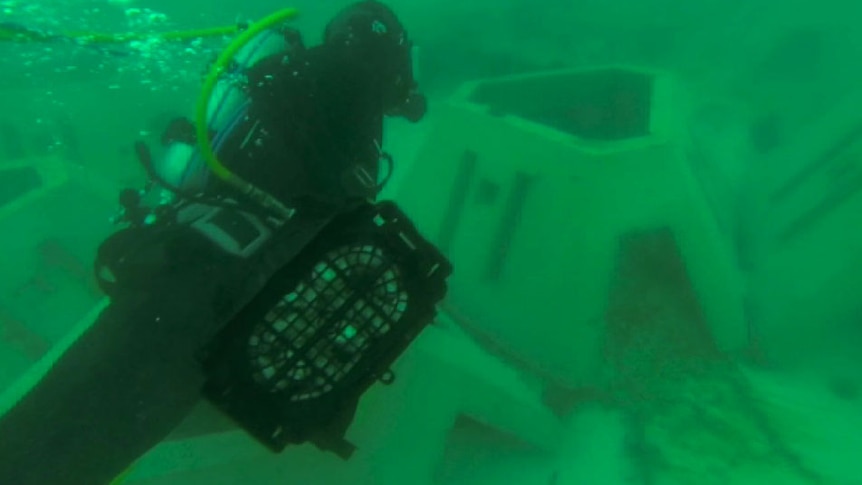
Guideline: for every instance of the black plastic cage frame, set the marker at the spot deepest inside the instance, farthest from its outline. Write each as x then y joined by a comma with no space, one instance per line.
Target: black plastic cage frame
292,365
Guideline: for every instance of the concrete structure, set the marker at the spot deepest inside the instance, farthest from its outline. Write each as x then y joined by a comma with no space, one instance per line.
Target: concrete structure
804,236
529,183
52,215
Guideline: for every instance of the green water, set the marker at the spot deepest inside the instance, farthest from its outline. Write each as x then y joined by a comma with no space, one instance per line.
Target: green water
652,208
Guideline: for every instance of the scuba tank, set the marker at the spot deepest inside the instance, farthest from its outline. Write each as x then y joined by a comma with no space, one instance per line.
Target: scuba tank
182,165
173,200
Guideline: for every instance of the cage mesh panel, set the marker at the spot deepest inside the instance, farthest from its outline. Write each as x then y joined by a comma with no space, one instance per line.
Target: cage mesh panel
314,336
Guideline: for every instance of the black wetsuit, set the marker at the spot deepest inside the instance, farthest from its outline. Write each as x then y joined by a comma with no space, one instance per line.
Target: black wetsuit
133,377
314,120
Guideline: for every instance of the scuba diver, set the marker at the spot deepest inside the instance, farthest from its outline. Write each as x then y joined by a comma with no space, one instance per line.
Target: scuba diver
279,309
314,128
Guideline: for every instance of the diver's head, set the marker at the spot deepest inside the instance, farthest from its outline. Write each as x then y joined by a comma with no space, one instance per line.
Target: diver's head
371,31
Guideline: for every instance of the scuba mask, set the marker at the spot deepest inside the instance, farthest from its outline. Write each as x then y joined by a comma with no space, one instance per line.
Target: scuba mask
372,31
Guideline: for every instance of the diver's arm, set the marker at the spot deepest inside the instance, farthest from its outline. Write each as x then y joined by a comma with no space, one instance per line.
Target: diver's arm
116,392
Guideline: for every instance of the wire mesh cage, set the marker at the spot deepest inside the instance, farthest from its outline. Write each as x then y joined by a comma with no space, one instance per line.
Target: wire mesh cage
295,361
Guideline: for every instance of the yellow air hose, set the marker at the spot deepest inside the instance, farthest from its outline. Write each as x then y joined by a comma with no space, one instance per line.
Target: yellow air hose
266,200
21,34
